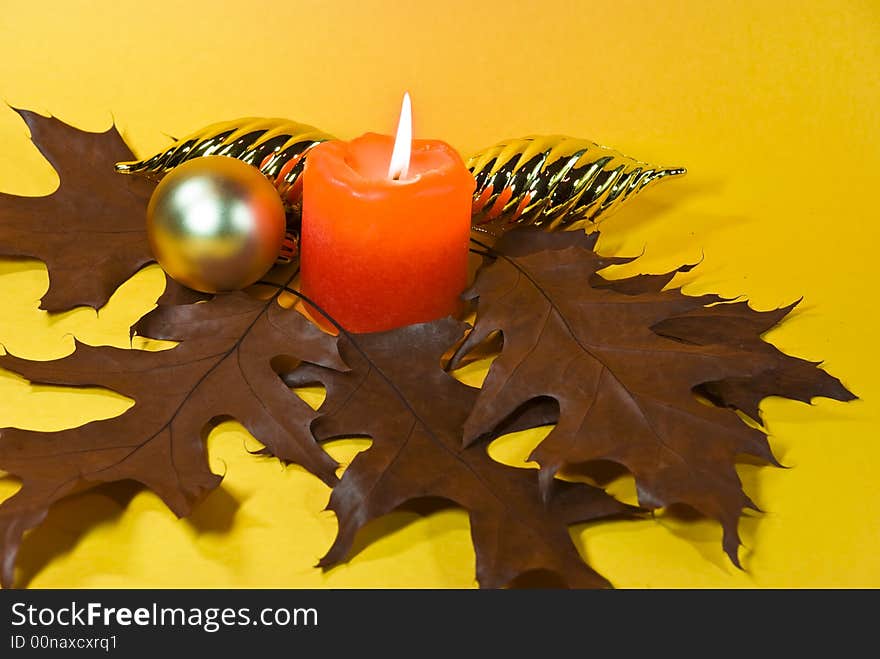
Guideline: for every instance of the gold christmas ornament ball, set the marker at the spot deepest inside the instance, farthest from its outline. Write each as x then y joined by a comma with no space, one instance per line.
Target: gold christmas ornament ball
215,224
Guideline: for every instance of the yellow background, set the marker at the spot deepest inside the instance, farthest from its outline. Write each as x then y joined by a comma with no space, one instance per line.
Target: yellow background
772,106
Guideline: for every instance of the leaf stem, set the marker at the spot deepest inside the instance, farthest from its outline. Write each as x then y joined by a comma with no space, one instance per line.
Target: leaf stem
482,253
308,301
488,248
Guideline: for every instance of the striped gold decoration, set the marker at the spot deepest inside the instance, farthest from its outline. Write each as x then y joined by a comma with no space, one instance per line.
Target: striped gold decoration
551,181
554,182
277,147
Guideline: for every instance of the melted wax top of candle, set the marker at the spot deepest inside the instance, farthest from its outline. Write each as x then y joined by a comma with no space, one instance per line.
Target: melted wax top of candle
366,160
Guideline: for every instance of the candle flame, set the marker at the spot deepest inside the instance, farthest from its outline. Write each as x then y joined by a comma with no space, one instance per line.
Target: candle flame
400,156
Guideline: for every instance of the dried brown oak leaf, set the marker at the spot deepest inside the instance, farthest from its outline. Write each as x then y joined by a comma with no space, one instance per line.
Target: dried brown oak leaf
397,393
225,365
622,359
91,231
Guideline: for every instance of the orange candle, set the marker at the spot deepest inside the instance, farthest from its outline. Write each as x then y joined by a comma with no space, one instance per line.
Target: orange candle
385,244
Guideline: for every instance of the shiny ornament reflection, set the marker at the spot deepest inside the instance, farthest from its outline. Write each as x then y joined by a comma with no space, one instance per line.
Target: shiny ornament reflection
215,224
